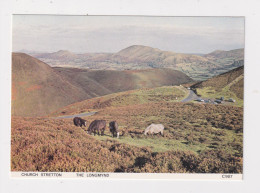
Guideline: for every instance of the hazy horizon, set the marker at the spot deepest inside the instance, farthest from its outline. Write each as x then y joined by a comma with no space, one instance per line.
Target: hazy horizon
33,51
110,34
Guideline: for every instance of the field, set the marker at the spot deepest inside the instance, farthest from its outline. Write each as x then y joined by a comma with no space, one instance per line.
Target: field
198,138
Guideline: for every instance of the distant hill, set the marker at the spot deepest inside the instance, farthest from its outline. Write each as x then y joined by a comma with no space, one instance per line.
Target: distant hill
38,89
137,57
60,55
144,56
155,57
103,82
222,80
237,54
229,85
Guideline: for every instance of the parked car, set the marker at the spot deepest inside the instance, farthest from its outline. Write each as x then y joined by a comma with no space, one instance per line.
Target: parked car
200,100
218,101
231,100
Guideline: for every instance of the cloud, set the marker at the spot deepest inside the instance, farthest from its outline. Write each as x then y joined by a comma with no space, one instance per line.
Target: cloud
113,34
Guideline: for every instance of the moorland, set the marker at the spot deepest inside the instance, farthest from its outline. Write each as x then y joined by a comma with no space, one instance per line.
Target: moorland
198,137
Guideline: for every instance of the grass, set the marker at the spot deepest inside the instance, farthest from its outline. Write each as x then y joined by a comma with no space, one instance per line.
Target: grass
167,93
190,127
201,138
157,144
132,97
57,145
209,92
228,85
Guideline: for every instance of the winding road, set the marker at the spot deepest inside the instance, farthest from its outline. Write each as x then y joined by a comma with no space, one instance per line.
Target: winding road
192,96
77,115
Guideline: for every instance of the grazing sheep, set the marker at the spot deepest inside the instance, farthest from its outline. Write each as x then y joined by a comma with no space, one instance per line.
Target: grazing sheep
154,129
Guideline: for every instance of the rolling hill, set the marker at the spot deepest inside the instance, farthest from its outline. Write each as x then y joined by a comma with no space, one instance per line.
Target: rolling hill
198,138
237,54
61,54
126,98
155,57
38,89
229,85
138,57
101,82
63,58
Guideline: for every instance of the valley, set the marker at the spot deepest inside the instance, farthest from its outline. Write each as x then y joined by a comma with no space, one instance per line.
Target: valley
136,57
38,89
199,137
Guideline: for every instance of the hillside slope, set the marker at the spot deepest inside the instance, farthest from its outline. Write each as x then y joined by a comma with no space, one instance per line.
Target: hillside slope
237,54
63,147
229,85
222,80
198,130
125,98
102,82
37,89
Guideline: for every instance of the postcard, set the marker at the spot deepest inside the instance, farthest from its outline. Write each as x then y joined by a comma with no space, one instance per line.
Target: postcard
141,97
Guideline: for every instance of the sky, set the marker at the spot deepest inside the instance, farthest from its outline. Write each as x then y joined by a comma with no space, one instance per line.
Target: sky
92,34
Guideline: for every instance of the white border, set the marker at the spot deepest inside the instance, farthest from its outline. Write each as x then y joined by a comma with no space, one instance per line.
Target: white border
247,8
109,176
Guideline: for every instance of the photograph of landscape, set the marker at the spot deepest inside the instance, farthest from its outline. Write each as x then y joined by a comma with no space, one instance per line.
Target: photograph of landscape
129,94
